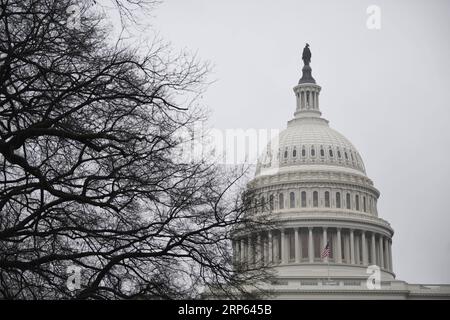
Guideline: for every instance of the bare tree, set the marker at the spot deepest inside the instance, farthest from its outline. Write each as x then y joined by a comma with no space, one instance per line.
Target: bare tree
90,177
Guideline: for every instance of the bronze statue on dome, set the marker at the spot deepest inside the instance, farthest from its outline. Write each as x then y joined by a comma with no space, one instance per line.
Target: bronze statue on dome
306,56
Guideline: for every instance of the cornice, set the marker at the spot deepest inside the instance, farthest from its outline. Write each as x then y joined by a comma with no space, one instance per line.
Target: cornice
344,220
338,179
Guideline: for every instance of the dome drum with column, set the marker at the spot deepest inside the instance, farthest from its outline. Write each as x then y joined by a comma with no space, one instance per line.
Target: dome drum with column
296,249
358,238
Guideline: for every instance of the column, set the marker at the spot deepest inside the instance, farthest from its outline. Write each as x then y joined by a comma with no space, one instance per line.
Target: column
316,106
386,253
310,245
339,246
380,240
317,100
357,250
259,251
250,250
352,247
266,249
307,99
270,246
364,248
275,247
313,99
242,260
391,266
283,247
302,100
324,240
234,248
297,246
372,252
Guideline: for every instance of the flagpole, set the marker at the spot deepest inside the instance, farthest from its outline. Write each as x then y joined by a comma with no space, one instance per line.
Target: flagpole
328,267
326,254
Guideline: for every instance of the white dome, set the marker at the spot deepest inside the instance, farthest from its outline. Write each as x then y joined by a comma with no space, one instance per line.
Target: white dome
310,141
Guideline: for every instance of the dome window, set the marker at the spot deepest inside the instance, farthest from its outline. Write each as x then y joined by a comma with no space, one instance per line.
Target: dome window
303,152
364,204
338,200
315,199
322,152
281,201
292,200
331,153
271,202
339,154
263,204
349,204
285,154
313,152
357,202
303,199
346,155
294,153
327,199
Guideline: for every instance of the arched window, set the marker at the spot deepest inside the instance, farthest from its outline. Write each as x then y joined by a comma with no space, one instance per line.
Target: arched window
263,204
327,199
294,153
271,202
285,153
338,200
339,154
331,153
346,155
364,204
292,200
322,152
315,199
281,201
349,205
304,199
357,202
313,152
303,152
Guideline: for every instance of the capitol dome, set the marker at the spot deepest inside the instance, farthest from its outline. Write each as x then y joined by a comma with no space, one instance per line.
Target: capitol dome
311,181
327,239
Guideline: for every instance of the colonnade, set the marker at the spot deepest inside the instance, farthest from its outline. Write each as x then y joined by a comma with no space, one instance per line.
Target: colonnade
307,97
305,245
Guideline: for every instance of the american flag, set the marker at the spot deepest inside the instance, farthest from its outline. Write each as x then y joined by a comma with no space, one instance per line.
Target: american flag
326,251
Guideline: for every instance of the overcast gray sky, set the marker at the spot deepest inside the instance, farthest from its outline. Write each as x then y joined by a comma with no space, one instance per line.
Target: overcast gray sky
386,90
